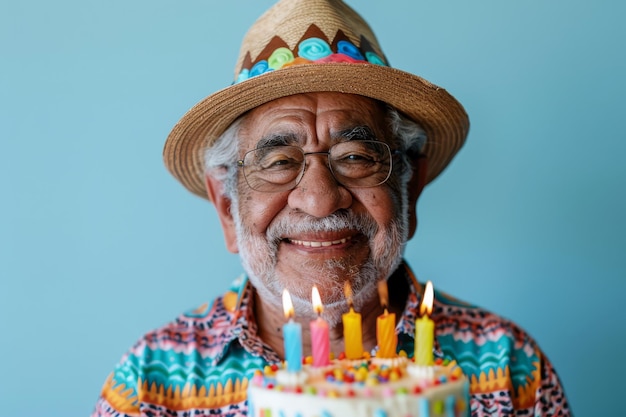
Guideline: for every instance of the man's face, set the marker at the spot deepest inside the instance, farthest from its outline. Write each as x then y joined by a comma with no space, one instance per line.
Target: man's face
320,233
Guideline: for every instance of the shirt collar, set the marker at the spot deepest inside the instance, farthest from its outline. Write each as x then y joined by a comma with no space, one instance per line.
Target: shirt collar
246,329
406,325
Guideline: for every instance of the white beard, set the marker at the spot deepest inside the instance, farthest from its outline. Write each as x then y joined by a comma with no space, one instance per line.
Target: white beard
259,257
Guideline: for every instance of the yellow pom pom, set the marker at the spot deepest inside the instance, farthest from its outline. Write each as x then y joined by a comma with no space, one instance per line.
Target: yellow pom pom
371,382
338,375
360,375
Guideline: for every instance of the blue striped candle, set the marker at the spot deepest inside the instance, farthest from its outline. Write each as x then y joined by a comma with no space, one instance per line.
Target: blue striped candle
292,332
292,337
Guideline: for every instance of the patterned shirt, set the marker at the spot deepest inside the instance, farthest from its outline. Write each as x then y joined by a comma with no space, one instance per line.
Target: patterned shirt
200,364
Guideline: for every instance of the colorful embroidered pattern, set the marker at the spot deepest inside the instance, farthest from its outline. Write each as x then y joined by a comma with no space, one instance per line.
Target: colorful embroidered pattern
312,49
200,364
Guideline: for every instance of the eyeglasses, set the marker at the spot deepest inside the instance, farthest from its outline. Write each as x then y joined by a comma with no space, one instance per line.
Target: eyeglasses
354,164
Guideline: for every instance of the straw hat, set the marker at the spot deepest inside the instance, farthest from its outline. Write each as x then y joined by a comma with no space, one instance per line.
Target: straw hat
302,46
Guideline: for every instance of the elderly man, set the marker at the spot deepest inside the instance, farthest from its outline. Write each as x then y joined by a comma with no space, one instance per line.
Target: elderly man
314,160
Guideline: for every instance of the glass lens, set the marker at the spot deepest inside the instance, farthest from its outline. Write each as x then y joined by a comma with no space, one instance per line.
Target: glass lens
363,163
273,168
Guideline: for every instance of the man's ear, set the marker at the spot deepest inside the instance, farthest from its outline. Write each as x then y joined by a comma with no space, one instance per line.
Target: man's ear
223,206
415,186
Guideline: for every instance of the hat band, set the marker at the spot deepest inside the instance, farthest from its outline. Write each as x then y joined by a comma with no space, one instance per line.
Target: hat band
311,50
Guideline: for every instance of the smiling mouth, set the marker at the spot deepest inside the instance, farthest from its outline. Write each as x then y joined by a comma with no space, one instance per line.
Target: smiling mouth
318,244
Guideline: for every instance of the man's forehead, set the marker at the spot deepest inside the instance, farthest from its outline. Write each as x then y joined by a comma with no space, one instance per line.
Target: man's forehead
329,115
320,104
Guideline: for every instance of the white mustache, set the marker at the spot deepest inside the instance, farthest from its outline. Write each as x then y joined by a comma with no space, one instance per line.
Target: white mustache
338,221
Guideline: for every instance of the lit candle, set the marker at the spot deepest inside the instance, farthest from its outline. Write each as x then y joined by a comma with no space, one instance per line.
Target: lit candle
292,336
425,330
320,340
352,336
385,326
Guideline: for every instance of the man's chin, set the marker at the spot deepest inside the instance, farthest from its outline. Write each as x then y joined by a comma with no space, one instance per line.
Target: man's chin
300,289
329,277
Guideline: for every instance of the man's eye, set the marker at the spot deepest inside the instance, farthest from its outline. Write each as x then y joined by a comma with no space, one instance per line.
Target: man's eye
354,158
359,157
278,162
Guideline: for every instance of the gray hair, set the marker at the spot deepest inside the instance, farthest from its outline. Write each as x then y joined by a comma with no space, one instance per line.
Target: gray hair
220,159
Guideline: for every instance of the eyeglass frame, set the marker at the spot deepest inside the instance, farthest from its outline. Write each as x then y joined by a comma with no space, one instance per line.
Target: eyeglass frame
298,178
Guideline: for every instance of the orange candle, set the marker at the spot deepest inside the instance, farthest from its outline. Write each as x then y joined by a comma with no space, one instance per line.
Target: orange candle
352,335
425,330
385,326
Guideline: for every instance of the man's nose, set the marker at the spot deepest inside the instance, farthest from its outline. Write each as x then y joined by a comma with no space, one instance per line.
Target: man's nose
318,193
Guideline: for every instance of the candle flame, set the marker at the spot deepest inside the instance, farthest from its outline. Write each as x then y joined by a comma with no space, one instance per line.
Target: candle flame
427,302
383,293
287,305
347,290
317,300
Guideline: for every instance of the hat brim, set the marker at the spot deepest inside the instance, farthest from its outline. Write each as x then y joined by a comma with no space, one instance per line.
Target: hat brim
441,115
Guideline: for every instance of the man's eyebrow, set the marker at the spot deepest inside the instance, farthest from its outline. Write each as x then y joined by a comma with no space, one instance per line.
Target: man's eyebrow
355,133
276,139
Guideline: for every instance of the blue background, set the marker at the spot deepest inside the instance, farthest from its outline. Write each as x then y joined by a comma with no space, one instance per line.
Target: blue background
98,244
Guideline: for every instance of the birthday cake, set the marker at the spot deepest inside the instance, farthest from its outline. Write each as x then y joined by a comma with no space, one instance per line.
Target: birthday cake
356,384
369,387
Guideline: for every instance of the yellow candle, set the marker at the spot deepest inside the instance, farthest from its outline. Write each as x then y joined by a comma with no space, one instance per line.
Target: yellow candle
385,326
352,336
425,330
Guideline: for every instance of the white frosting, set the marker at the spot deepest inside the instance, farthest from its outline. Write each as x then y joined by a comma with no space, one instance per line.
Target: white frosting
291,379
420,372
409,396
392,362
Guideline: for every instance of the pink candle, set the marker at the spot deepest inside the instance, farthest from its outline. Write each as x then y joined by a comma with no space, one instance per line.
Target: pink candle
320,341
